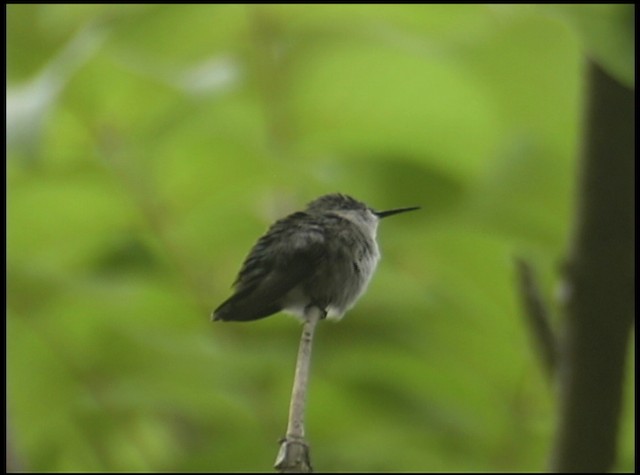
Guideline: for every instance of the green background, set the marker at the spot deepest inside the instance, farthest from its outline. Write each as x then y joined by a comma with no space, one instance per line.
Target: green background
150,146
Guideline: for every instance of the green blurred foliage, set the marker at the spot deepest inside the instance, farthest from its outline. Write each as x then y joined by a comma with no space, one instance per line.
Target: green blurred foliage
149,146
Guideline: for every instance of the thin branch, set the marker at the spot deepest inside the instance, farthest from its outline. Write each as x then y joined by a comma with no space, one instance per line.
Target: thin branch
136,183
537,316
271,63
293,455
93,388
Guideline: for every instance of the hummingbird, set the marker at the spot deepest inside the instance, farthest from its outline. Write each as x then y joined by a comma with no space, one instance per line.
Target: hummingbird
323,257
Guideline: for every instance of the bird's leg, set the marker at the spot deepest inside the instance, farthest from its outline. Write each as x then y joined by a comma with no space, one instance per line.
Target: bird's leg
315,307
293,455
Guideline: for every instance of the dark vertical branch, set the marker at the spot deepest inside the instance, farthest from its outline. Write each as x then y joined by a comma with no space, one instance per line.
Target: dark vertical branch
600,284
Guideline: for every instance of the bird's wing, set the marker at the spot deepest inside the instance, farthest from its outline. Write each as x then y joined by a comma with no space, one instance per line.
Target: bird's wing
288,254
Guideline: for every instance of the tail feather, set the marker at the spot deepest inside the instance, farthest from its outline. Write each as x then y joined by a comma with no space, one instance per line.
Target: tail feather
238,310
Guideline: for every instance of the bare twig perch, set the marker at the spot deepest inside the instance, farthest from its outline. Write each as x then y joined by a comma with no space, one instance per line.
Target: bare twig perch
293,456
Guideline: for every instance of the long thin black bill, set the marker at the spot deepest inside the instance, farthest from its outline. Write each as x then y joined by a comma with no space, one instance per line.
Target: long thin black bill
384,214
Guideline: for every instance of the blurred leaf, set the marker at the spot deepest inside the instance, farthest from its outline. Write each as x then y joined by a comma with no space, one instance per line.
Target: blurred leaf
608,34
29,102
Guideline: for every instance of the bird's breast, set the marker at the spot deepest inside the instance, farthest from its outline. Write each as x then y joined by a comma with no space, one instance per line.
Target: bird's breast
346,274
350,258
